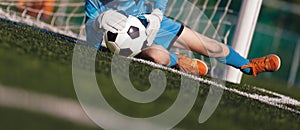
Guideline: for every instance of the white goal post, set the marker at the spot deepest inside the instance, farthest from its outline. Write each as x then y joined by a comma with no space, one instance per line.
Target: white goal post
68,18
243,34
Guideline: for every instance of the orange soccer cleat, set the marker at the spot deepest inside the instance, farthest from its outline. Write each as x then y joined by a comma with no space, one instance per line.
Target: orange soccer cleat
192,66
269,63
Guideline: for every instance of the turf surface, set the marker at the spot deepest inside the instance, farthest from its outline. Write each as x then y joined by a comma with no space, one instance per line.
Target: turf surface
40,61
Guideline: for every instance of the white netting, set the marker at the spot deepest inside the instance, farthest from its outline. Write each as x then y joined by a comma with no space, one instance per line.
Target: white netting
213,18
68,16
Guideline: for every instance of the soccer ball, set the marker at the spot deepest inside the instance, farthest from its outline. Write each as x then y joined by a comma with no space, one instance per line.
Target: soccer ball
130,41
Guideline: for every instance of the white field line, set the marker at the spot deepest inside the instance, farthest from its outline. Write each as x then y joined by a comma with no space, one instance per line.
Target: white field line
72,111
42,103
280,101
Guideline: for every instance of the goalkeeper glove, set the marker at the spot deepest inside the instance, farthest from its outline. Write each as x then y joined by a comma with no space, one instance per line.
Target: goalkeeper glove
111,20
154,20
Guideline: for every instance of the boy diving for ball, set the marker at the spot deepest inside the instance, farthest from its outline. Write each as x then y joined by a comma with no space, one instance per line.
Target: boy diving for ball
163,33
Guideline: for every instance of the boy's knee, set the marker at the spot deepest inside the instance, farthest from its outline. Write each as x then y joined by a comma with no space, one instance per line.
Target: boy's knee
156,54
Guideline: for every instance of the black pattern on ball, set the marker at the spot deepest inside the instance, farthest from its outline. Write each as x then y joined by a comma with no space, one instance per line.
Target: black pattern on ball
125,52
111,36
133,32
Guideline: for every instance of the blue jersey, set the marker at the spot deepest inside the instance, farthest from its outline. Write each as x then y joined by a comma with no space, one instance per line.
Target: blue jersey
93,8
131,7
169,30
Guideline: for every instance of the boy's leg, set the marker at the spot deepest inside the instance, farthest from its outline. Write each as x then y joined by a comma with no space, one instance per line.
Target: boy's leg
198,43
157,54
191,40
160,55
166,36
203,45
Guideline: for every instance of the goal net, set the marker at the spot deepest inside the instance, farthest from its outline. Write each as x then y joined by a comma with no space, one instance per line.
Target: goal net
61,16
213,18
218,19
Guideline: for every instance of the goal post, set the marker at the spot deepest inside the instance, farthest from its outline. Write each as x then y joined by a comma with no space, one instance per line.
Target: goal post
243,34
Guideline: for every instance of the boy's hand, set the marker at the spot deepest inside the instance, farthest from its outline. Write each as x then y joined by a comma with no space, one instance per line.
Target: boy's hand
154,20
112,21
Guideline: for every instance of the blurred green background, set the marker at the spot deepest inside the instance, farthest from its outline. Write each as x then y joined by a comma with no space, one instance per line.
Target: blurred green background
278,31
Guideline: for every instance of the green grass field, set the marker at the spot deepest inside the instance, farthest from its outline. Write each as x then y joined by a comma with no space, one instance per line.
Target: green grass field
41,61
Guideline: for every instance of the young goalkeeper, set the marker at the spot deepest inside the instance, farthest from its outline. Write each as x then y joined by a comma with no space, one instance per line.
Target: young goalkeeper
162,33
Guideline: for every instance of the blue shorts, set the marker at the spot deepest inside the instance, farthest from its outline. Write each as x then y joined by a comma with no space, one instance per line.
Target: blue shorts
168,33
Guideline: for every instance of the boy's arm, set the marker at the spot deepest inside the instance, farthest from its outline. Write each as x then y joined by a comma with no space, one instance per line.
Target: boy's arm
93,9
154,19
93,34
98,18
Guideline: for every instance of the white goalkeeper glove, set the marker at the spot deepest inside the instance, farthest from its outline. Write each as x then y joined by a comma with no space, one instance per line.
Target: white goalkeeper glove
154,20
111,20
